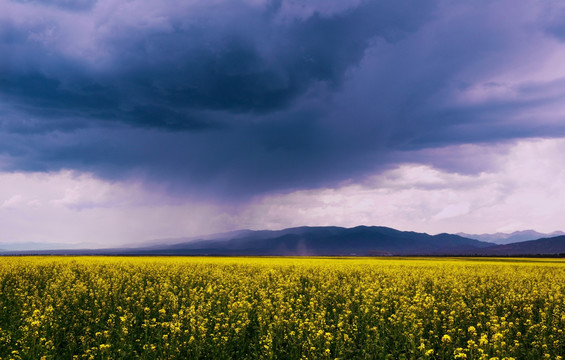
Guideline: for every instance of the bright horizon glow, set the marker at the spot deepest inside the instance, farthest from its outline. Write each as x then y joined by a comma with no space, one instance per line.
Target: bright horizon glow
82,210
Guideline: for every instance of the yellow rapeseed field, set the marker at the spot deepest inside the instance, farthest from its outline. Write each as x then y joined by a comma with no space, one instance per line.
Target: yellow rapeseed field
281,308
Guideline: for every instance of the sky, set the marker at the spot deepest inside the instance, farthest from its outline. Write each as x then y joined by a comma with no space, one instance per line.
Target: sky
126,121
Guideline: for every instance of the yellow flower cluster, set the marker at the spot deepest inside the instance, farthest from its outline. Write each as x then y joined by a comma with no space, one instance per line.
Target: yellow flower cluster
281,308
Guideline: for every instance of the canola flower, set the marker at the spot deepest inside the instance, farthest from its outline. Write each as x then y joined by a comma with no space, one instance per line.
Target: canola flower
281,308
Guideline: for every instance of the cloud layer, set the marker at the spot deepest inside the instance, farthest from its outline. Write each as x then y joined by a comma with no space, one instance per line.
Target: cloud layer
236,100
524,191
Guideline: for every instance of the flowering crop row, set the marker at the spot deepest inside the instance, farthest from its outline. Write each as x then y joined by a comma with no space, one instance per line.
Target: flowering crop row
281,308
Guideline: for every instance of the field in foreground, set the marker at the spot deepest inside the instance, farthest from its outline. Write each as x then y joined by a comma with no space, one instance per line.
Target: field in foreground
281,308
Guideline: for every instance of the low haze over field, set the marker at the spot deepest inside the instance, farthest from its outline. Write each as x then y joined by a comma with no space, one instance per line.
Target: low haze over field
127,121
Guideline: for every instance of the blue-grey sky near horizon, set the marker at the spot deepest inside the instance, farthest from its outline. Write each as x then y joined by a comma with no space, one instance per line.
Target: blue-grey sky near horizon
123,121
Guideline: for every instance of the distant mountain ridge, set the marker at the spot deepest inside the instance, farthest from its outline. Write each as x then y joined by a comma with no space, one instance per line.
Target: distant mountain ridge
514,237
31,245
545,246
324,241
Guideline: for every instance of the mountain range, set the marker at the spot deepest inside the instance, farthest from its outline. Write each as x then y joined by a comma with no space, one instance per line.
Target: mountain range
326,241
546,246
508,238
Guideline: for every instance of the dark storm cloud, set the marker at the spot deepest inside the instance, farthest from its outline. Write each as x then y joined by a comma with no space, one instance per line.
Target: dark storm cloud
555,23
72,5
246,98
157,76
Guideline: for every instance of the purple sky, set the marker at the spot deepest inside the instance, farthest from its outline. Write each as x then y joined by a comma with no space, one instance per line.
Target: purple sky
124,121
